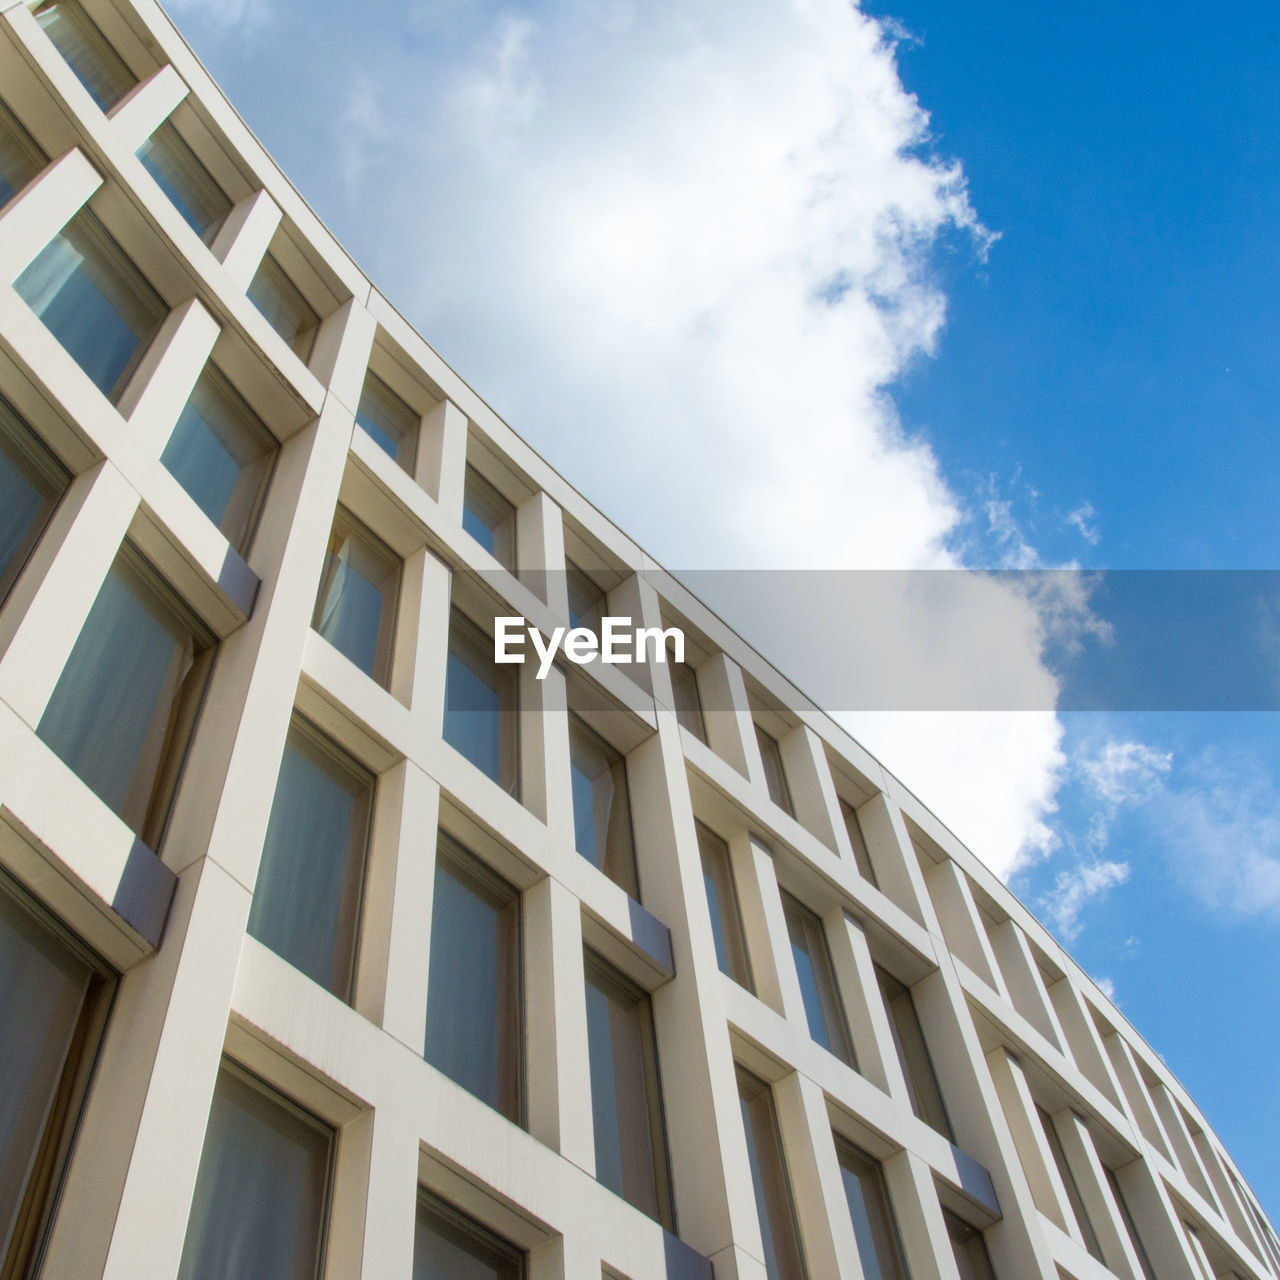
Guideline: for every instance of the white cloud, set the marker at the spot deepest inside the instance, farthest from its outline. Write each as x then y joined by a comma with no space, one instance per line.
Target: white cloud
1125,772
1084,518
1074,890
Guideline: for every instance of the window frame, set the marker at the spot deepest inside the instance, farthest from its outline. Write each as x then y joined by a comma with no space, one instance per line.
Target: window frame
26,147
92,35
776,1204
482,499
23,441
182,157
800,919
473,643
923,1087
272,272
886,1238
619,864
375,388
775,773
508,1256
728,934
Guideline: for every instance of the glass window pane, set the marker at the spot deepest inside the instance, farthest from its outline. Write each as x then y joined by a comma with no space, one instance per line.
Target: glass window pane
392,424
722,901
489,518
119,709
778,1231
586,600
860,854
261,1194
684,692
774,777
449,1244
913,1053
49,999
94,301
355,607
30,483
281,301
220,452
625,1106
601,807
88,52
184,179
817,980
1132,1227
1069,1184
306,903
20,158
873,1225
473,996
480,704
972,1260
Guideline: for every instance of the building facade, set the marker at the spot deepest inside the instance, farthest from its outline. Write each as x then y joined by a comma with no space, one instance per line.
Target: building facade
331,948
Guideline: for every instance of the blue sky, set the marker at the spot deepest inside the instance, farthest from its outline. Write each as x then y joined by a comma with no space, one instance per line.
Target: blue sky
989,285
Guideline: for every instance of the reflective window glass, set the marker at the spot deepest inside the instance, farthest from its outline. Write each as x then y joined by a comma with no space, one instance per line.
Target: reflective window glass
287,311
473,996
480,704
778,1231
601,806
20,158
183,178
94,301
913,1053
817,980
447,1243
1069,1184
684,691
774,776
261,1194
873,1227
586,601
722,902
489,518
88,52
306,903
220,453
30,484
392,423
972,1260
123,708
861,856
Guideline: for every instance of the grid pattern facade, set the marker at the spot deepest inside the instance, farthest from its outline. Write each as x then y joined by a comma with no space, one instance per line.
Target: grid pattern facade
740,1007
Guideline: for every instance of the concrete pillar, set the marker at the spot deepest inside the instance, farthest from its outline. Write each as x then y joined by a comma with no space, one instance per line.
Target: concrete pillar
441,466
813,792
147,106
41,209
244,237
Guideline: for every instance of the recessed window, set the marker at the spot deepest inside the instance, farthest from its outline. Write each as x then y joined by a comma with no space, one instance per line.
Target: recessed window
586,601
1122,1205
20,158
306,903
183,178
626,1105
262,1191
489,518
356,604
601,806
31,482
53,1004
220,453
822,1007
913,1053
480,704
722,902
287,311
970,1250
94,301
779,1233
125,704
684,692
88,52
448,1243
1074,1199
879,1252
858,841
775,777
473,996
392,423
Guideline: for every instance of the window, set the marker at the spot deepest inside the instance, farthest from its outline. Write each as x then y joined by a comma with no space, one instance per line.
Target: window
281,301
626,1105
684,692
774,776
1122,1205
778,1230
817,980
913,1053
94,301
30,485
88,52
183,178
53,1004
306,903
220,453
391,423
972,1260
861,857
722,901
448,1243
480,704
873,1226
356,604
262,1192
489,518
587,603
601,806
20,158
1069,1184
125,704
473,985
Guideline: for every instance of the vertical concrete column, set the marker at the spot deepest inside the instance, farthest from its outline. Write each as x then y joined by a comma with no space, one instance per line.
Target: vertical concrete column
960,924
340,357
1126,1069
813,793
559,1076
1180,1138
921,1226
760,910
893,857
551,723
1158,1222
41,209
441,467
634,598
76,553
540,551
147,106
244,237
864,1006
391,980
726,711
1024,981
1082,1038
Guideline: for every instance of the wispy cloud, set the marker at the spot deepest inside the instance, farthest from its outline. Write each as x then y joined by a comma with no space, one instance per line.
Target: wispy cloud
1085,519
1074,890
